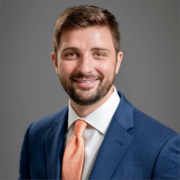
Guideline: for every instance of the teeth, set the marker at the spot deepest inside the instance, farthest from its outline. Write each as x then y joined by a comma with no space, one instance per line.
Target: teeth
86,81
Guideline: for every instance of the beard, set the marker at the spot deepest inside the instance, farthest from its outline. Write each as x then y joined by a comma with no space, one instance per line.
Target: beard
82,95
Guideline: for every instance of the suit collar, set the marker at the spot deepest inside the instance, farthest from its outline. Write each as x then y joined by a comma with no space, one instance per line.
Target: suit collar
115,143
55,145
114,146
124,113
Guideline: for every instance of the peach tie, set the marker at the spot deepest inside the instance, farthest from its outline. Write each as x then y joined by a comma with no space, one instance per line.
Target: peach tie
73,159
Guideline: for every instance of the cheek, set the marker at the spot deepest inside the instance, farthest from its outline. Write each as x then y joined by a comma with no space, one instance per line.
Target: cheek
65,68
106,68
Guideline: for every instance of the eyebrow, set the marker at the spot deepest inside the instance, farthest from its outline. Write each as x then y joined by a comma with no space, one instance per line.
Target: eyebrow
70,48
100,49
93,49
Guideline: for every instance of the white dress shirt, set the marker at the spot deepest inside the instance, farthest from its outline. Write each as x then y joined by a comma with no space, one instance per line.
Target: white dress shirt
98,123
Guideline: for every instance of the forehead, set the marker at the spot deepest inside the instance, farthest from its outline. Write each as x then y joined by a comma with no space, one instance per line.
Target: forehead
86,37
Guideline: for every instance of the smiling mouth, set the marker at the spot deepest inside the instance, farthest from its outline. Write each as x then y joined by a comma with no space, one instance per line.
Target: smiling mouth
86,81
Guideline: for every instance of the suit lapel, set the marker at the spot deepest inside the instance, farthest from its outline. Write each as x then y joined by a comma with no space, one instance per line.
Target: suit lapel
115,143
112,149
54,145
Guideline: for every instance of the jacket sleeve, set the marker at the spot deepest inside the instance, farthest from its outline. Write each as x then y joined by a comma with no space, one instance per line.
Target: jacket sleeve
168,161
24,172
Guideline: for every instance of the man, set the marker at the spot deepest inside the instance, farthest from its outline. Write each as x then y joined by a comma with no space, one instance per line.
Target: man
100,135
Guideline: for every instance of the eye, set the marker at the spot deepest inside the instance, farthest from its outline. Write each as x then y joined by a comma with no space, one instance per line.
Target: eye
99,55
71,55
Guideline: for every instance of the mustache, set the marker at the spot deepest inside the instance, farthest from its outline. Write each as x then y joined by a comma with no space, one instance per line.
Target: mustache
88,76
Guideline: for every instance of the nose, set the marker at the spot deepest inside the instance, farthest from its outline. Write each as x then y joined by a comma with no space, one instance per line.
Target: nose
85,65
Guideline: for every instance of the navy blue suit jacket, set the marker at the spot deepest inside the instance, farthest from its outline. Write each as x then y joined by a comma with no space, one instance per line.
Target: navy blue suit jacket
135,147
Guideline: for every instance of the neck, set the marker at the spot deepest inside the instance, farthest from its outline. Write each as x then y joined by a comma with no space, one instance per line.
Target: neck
84,111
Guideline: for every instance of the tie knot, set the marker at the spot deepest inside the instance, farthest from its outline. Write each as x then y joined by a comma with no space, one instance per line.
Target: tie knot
79,127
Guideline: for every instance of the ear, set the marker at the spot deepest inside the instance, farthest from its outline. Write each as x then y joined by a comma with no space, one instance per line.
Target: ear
118,62
53,57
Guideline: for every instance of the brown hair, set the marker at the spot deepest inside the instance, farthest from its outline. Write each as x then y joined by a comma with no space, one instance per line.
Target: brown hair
84,16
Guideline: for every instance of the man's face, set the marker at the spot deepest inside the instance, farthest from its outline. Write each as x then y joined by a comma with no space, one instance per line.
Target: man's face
86,63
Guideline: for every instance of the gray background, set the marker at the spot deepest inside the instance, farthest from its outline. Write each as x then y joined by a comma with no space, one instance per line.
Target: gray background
30,89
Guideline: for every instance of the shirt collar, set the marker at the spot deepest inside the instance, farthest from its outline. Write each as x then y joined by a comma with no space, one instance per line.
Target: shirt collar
101,117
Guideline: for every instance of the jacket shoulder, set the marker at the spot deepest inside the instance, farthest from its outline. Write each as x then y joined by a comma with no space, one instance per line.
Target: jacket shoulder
149,127
47,122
